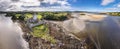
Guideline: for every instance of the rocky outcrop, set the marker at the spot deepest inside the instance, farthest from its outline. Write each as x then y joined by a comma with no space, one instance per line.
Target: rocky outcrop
63,41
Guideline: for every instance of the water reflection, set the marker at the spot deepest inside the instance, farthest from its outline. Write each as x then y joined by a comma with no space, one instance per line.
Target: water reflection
105,34
103,30
11,34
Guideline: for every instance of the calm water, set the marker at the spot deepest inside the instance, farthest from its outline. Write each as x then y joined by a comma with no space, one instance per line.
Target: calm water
11,34
105,33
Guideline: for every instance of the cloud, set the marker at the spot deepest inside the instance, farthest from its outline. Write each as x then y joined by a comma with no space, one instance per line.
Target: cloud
4,4
115,8
111,8
34,5
118,5
106,2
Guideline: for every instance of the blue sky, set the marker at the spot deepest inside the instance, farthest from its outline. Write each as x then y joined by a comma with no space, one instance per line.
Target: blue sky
60,5
96,5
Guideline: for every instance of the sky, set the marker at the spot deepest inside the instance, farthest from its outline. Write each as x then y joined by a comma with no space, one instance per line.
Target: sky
97,5
60,5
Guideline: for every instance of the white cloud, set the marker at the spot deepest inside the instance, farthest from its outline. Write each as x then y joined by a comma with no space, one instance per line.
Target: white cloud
118,5
115,8
51,1
53,8
112,9
34,5
106,2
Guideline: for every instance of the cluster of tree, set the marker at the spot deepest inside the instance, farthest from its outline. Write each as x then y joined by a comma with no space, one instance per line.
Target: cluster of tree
15,16
114,13
58,16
